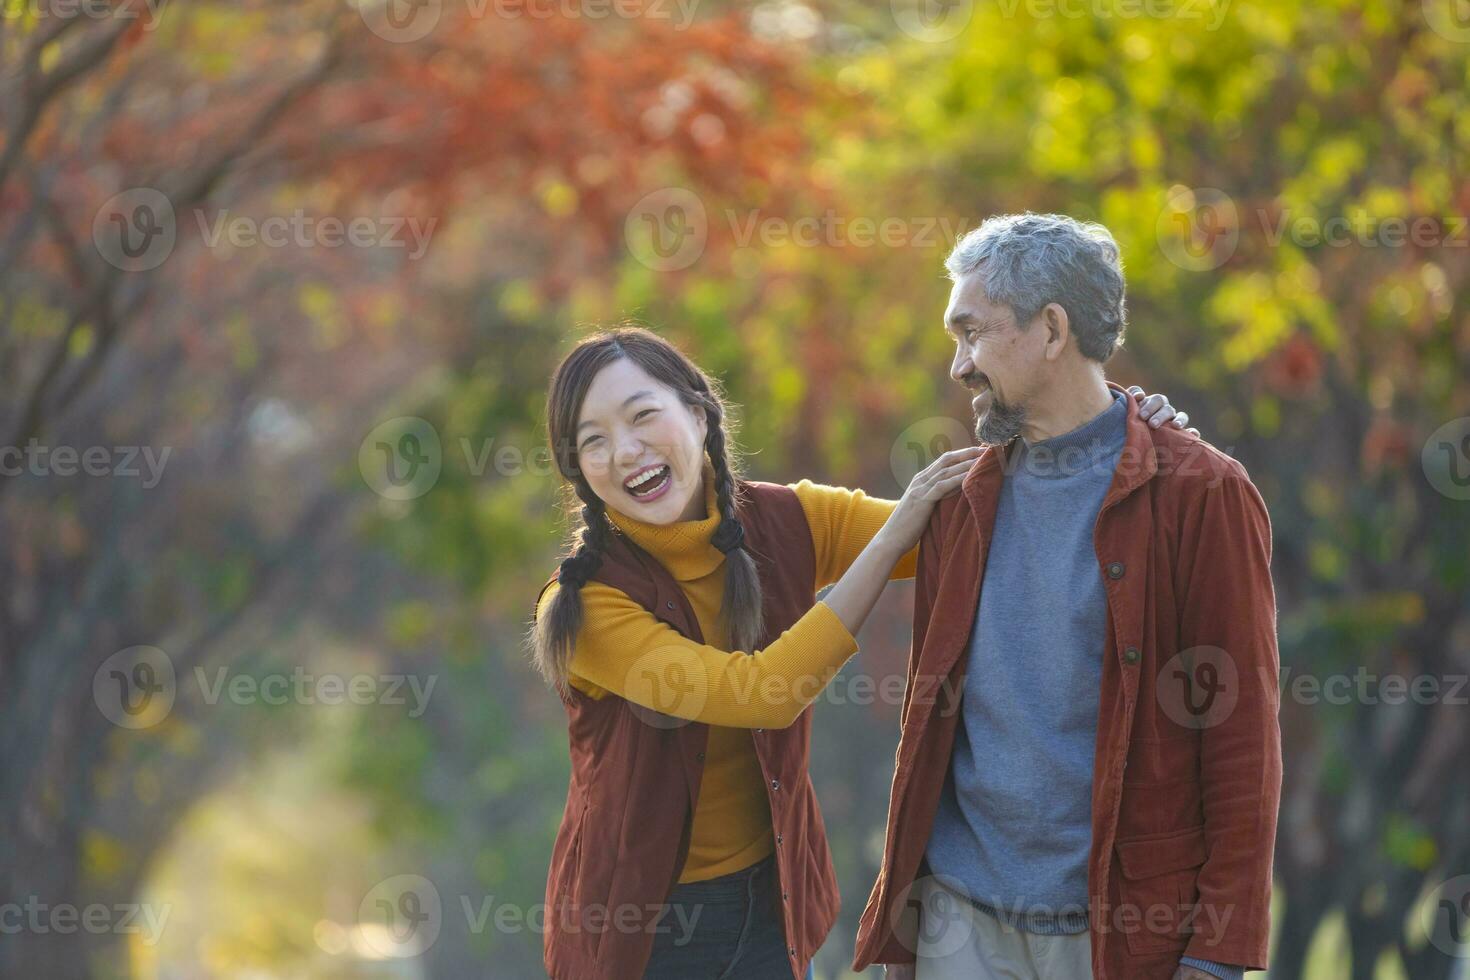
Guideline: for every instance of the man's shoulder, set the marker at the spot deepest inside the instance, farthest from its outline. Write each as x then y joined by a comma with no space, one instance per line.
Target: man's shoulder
947,524
1188,465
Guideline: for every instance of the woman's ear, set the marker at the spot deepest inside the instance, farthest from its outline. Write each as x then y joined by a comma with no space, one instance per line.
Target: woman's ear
701,421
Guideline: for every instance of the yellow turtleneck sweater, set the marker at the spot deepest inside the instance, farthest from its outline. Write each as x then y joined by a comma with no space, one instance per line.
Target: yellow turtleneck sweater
624,649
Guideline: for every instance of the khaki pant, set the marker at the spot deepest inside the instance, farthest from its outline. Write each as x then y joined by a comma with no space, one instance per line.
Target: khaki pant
959,942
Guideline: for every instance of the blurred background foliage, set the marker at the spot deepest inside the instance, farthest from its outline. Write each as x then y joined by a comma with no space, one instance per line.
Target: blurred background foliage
1210,137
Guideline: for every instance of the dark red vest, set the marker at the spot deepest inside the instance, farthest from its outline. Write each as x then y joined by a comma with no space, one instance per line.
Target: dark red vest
635,777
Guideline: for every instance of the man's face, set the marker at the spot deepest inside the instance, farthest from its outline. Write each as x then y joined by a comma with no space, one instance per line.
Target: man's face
994,358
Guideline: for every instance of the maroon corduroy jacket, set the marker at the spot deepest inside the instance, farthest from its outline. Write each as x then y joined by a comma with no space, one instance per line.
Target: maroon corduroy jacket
635,777
1187,770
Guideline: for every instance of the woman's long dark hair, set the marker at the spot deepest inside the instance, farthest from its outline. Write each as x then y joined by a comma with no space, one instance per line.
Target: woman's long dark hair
556,631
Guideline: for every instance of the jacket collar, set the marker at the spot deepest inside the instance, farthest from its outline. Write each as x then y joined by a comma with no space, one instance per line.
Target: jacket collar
1136,466
1138,462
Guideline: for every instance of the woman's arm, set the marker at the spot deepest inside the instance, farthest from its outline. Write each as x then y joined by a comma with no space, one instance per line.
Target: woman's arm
842,522
624,648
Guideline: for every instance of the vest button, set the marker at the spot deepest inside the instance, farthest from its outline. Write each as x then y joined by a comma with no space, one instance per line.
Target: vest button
700,756
1115,569
778,840
791,950
759,730
775,784
1131,655
785,897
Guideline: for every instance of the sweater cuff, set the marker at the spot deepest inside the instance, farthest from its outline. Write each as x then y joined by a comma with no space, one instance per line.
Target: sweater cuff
828,631
1214,969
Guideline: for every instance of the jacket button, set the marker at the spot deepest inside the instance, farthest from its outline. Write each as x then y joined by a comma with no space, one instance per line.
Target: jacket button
1131,655
699,756
759,730
670,603
1115,569
775,784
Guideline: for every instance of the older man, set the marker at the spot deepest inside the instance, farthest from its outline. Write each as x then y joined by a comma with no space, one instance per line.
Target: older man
1089,770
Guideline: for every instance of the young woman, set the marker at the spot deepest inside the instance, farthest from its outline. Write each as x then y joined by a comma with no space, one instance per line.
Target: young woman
685,639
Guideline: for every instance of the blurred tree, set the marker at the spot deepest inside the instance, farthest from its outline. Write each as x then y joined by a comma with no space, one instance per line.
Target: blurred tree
255,365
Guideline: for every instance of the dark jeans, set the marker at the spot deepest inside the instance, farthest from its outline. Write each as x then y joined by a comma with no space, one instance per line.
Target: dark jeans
725,928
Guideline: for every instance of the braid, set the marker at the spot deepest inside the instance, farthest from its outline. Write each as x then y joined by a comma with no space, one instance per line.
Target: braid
578,568
556,632
741,610
731,533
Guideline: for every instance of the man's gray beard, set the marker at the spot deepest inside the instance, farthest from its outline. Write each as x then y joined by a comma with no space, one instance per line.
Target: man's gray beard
1000,424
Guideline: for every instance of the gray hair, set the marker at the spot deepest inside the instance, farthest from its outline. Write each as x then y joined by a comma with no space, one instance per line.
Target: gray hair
1030,260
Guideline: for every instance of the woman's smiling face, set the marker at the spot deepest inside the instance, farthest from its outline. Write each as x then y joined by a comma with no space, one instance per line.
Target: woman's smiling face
640,447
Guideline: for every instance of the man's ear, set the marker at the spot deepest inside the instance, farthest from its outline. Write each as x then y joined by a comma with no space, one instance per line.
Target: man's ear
1058,330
